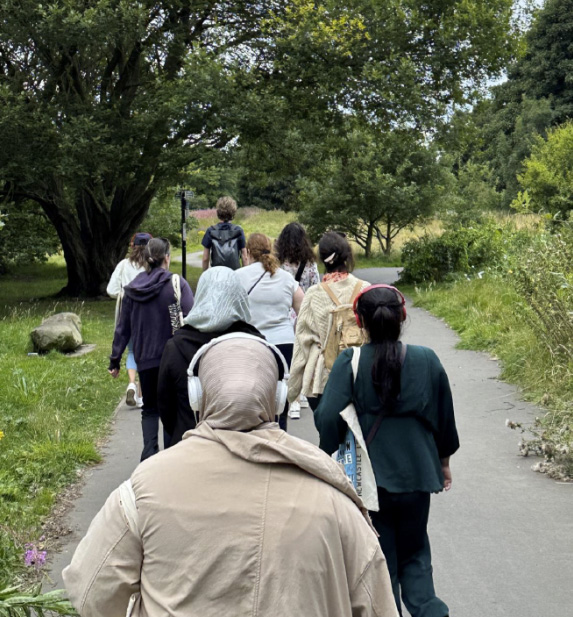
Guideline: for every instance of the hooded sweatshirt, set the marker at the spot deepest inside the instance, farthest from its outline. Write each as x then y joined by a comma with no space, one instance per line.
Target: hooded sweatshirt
145,317
238,519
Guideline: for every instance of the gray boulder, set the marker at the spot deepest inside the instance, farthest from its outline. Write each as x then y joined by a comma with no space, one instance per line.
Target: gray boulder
61,331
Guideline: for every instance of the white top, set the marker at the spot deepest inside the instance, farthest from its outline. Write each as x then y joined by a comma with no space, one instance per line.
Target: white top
270,301
124,273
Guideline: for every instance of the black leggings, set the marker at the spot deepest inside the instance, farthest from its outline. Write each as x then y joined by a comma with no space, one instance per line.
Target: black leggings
150,414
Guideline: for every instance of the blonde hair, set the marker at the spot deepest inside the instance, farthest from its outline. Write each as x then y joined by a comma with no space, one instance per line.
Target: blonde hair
226,208
261,249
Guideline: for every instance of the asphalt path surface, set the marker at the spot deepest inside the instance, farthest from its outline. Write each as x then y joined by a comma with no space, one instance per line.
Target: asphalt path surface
502,538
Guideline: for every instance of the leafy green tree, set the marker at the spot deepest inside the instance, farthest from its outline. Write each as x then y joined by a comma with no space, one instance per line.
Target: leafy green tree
537,94
373,187
104,102
26,235
548,175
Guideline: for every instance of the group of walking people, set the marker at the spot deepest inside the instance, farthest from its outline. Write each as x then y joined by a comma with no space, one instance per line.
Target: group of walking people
237,516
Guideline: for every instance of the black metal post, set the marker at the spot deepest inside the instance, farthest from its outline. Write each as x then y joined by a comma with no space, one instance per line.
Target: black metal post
183,235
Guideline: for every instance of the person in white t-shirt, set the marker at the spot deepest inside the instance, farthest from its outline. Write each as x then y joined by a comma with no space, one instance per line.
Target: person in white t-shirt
125,271
272,293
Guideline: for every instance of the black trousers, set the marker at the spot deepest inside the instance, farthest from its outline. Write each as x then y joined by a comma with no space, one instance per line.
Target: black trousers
150,414
313,401
286,349
402,524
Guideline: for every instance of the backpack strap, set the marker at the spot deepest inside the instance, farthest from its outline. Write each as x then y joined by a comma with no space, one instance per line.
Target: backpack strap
376,426
357,290
332,295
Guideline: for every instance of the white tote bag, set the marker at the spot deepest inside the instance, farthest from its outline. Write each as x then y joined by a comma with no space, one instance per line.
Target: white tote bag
353,454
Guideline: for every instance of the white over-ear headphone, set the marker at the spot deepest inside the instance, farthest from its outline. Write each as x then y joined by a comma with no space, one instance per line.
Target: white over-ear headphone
194,383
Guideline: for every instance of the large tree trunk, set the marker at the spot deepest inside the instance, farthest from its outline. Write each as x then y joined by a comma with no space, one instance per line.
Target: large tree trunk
369,237
95,237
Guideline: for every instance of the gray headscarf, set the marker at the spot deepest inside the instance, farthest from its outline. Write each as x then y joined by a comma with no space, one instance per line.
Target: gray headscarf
220,301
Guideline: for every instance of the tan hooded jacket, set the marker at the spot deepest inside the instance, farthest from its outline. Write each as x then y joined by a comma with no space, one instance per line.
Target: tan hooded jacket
252,523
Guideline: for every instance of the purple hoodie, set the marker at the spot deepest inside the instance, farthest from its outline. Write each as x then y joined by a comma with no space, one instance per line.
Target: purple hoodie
145,317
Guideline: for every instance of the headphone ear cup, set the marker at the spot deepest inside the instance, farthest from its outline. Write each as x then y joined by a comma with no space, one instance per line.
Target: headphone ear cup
281,397
404,313
195,393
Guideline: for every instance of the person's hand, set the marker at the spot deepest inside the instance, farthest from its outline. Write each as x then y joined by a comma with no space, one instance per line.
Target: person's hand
447,477
113,372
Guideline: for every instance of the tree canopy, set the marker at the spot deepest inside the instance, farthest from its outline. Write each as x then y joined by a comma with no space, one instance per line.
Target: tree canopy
537,95
373,186
104,102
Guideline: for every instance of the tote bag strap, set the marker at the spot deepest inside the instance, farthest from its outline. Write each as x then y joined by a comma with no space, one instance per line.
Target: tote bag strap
355,361
176,282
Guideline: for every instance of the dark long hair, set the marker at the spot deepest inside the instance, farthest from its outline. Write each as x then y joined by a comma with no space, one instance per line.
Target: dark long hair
381,312
335,252
293,245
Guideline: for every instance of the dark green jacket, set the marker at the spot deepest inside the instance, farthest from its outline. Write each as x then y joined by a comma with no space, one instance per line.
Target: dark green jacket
410,442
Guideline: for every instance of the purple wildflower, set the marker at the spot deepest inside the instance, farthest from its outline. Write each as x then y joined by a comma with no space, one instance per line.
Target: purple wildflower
34,557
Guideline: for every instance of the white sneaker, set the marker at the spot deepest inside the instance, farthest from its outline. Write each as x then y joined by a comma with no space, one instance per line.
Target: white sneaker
139,401
303,400
130,395
294,411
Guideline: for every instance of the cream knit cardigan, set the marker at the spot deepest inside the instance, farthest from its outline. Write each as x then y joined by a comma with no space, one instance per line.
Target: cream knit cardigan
308,375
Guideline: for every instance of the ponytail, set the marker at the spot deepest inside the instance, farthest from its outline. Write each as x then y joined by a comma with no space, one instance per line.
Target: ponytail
381,313
156,251
260,247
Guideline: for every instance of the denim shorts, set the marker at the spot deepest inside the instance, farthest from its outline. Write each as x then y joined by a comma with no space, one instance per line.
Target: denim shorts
130,362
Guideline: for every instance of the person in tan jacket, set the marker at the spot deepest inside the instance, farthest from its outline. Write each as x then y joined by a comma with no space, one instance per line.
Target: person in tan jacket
238,519
308,374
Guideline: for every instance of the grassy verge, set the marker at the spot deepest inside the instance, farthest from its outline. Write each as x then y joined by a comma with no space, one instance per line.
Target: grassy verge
54,410
489,315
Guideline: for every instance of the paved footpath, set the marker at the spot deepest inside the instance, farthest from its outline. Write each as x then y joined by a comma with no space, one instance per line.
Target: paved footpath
502,538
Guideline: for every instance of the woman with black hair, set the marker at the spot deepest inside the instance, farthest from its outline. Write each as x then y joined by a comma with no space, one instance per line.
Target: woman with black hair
294,252
404,405
308,372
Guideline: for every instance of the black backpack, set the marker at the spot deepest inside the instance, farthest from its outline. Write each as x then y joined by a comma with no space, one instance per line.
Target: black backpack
225,247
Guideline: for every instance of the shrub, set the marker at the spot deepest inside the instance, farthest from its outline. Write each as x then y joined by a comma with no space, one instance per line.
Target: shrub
456,251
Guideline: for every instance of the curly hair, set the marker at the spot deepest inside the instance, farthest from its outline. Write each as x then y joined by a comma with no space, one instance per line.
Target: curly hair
293,245
260,248
226,208
335,252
